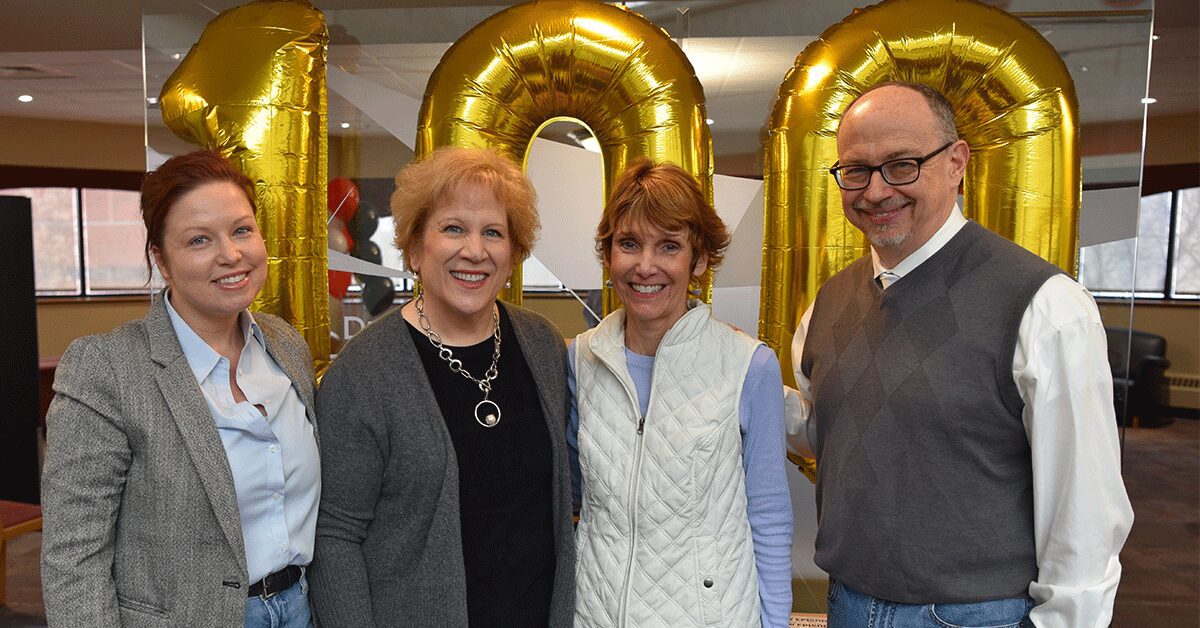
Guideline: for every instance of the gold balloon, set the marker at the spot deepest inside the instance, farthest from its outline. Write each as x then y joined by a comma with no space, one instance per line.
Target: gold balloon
253,87
608,68
1015,106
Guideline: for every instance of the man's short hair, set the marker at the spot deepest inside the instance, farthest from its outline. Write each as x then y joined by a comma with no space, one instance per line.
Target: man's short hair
943,112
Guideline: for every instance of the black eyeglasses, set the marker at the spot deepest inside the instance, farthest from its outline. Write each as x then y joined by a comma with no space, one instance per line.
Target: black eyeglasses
900,171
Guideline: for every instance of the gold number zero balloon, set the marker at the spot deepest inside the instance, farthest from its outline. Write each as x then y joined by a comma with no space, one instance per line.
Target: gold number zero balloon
1015,105
253,87
608,68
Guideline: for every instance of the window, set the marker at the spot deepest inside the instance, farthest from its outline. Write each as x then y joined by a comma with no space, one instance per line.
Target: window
1167,250
114,242
55,238
86,241
1186,269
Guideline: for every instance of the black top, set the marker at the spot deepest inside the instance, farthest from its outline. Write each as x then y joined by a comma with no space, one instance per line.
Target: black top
505,477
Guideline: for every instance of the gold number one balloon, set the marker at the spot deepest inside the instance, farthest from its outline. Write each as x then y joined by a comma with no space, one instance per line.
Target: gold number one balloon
1015,105
601,65
253,87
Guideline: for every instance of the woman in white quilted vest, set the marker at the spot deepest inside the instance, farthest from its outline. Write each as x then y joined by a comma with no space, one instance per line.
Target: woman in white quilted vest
677,432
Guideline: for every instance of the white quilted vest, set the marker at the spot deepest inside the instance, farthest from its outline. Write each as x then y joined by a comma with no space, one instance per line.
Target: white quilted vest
663,536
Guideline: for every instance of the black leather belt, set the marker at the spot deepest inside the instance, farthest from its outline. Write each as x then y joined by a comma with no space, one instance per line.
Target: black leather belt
277,582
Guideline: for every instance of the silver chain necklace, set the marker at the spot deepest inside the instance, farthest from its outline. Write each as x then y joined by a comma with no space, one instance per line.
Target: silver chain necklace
482,414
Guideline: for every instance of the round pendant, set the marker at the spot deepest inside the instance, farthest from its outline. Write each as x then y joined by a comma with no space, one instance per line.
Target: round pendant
487,413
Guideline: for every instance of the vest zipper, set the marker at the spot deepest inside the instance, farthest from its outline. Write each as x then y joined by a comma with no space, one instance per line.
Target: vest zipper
633,532
635,481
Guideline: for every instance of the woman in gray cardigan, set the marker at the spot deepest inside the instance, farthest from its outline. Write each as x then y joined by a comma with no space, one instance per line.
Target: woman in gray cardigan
447,492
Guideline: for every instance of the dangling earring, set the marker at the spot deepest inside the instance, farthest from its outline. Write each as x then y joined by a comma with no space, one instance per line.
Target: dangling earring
608,283
508,282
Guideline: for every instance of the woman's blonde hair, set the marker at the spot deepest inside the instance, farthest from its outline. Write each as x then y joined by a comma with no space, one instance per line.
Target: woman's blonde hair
421,185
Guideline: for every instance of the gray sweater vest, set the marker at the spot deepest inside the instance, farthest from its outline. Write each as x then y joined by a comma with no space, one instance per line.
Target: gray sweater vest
924,484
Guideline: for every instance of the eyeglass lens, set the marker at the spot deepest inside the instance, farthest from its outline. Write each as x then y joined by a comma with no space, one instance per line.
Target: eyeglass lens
896,172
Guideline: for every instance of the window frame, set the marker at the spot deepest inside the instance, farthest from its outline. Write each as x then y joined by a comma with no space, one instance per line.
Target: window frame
1168,293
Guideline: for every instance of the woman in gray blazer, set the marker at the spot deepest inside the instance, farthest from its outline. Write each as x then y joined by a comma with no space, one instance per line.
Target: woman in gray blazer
182,476
447,497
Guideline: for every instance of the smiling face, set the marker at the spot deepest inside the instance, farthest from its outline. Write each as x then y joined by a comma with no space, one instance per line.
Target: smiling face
650,269
889,123
212,255
464,256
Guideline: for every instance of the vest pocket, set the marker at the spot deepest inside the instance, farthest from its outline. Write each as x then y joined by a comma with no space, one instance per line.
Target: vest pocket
707,580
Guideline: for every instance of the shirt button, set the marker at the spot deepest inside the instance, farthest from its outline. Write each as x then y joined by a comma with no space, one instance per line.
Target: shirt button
282,546
274,448
276,497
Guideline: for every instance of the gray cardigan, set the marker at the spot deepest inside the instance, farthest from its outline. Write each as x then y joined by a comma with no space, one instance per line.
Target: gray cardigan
141,523
389,547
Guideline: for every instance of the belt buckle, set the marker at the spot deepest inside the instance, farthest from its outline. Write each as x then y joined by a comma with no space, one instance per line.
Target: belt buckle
267,593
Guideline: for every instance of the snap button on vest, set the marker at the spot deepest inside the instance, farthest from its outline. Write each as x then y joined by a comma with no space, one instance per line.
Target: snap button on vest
708,583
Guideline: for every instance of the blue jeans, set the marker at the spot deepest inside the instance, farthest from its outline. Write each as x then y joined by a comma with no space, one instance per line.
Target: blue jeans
851,609
286,609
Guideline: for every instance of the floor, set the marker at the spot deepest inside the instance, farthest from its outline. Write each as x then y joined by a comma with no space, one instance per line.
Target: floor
1160,586
24,608
1160,583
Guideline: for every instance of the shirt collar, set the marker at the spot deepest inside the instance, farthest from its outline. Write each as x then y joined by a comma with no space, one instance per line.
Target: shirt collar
948,230
202,359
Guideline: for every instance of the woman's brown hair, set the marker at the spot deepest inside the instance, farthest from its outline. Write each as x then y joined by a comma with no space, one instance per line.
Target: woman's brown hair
668,198
176,177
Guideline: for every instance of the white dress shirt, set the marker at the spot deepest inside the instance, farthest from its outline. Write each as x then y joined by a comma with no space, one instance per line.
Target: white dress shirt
273,457
1081,513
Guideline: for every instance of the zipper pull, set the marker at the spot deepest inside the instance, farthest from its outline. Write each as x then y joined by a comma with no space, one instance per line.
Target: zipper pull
641,425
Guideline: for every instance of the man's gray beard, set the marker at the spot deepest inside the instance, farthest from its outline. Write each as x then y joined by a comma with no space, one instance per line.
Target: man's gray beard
887,238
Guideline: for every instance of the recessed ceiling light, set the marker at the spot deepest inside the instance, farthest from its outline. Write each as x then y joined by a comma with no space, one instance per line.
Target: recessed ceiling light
708,121
345,125
152,100
25,98
1149,101
1083,68
176,56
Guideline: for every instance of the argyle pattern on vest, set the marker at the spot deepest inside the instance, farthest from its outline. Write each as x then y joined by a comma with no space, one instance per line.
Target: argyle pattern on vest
663,538
924,482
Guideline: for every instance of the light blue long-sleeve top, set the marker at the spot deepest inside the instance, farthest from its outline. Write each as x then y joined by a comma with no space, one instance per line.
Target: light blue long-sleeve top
273,457
769,504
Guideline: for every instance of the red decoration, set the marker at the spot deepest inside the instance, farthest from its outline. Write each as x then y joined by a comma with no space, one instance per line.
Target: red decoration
339,282
343,198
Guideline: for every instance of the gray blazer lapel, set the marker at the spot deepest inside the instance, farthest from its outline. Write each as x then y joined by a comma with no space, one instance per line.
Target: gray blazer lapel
299,372
196,426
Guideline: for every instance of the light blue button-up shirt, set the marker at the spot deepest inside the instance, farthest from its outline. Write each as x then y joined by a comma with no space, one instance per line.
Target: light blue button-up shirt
276,469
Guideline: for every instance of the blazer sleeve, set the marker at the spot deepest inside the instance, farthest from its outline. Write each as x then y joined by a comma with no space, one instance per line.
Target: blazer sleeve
87,461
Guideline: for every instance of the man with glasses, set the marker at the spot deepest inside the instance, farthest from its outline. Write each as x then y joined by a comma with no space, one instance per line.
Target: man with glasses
956,393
